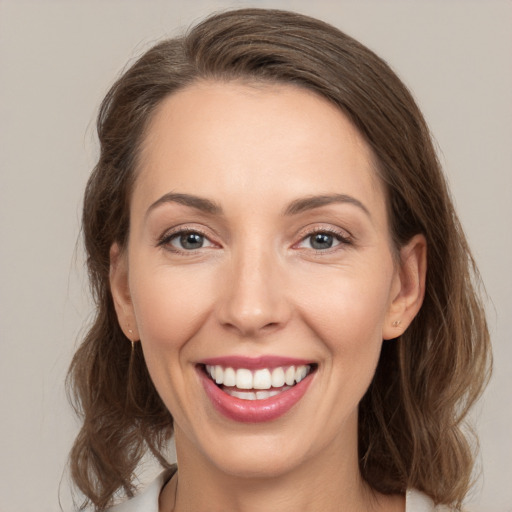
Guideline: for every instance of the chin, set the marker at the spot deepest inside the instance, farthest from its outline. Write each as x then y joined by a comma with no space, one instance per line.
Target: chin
258,455
262,465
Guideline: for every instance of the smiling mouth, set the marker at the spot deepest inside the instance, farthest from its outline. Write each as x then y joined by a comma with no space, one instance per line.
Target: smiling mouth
259,384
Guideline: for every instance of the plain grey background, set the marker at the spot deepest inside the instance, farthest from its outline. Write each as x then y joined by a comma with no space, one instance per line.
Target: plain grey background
57,60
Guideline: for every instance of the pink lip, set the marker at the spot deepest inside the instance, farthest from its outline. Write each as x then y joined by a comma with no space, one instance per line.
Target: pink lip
253,363
253,411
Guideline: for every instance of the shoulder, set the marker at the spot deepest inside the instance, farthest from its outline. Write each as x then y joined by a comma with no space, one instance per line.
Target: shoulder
416,501
147,500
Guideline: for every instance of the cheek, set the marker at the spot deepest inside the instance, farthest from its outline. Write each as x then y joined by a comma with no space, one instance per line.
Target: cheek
169,305
349,306
347,316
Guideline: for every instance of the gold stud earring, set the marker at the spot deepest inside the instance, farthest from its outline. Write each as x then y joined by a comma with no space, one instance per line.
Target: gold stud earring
396,323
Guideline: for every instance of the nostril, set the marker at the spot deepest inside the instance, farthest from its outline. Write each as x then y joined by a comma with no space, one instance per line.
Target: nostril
251,330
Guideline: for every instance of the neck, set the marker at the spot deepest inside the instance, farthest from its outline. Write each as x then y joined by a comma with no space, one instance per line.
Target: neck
329,482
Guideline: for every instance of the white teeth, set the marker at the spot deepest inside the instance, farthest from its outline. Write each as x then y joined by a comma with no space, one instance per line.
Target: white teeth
243,379
229,377
263,379
289,376
244,395
261,395
252,395
300,373
278,378
219,374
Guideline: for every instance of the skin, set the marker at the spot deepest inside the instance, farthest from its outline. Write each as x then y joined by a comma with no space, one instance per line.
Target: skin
258,287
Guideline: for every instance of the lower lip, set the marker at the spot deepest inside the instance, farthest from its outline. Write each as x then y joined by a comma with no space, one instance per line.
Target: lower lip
254,411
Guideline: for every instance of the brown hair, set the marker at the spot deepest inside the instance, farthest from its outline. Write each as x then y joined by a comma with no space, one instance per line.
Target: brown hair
410,419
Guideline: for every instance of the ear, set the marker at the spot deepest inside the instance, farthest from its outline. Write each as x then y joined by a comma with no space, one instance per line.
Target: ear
408,288
120,290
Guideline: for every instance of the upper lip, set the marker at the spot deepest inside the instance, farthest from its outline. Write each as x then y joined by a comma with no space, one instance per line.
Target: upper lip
254,363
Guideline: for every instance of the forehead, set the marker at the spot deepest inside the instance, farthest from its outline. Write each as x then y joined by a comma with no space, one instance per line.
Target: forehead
211,136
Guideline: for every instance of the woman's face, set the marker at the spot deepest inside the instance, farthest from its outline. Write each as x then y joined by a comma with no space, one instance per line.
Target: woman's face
259,242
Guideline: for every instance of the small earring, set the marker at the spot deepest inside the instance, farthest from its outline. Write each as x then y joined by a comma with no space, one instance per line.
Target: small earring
396,323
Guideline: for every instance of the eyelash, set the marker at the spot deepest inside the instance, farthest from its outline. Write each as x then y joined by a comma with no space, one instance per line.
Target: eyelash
342,237
166,239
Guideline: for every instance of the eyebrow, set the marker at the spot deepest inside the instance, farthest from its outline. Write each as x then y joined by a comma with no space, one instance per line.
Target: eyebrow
309,203
199,203
294,208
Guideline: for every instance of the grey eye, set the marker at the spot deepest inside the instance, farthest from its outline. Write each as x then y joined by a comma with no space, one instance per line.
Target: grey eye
189,241
321,241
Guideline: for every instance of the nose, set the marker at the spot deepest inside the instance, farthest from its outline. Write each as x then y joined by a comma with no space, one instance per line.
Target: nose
253,301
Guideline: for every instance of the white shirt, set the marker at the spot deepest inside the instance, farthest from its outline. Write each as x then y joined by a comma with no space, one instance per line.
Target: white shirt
147,501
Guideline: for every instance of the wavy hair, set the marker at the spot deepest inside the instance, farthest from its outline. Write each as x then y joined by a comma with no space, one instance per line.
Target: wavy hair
411,430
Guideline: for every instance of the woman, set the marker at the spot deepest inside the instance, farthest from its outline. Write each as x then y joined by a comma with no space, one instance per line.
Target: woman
281,282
